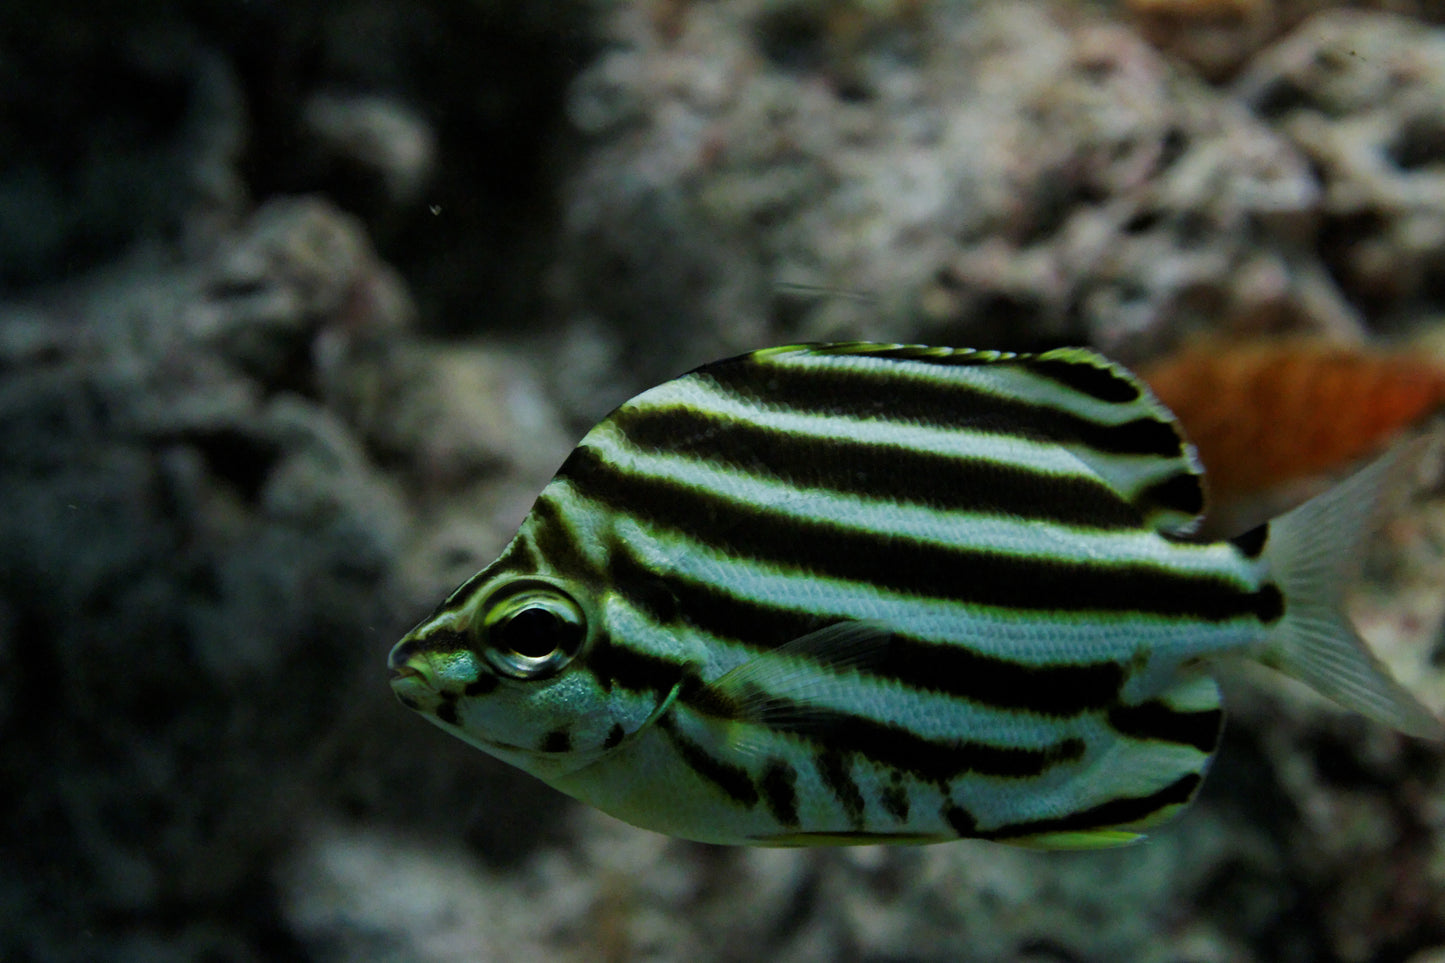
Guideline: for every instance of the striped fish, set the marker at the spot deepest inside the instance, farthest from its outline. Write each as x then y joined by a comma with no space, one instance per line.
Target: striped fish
859,592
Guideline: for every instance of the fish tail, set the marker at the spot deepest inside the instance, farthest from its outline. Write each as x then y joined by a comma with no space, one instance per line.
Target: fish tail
1311,554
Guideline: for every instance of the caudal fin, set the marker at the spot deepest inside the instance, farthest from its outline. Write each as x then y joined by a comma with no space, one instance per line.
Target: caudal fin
1312,553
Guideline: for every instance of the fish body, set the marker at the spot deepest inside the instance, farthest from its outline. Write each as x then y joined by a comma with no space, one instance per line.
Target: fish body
885,593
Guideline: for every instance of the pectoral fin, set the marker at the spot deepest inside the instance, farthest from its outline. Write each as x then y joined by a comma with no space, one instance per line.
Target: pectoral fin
784,684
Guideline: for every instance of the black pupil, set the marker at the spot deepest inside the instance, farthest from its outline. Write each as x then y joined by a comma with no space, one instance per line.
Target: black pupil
536,633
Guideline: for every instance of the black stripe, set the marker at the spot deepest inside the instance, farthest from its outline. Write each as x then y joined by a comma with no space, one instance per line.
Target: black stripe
780,794
462,595
1095,380
1269,603
645,587
1154,720
1084,371
1182,492
895,798
940,668
517,556
557,543
485,684
615,665
939,400
734,781
1251,543
446,711
833,767
849,467
1115,812
615,735
558,740
956,574
932,760
927,354
960,820
437,639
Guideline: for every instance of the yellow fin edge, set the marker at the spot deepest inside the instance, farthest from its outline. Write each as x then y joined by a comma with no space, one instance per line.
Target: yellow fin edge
1091,839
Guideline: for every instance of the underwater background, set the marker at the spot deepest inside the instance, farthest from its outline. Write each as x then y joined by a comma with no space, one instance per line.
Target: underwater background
301,303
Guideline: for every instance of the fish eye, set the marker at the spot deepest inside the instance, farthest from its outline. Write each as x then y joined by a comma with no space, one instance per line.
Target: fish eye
531,630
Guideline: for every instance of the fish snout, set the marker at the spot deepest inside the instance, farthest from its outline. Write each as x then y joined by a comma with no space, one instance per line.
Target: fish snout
413,678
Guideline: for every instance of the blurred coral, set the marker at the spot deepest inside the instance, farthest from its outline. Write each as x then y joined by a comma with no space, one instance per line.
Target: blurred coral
1213,36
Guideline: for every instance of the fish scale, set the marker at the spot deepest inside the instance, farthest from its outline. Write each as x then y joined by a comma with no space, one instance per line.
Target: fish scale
825,594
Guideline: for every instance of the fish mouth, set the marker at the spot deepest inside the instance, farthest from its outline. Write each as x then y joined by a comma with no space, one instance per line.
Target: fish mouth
396,673
413,682
406,662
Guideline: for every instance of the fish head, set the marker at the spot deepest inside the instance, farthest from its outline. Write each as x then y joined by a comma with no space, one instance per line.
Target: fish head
502,665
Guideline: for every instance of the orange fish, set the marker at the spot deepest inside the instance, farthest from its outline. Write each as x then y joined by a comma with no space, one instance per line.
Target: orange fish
1270,416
